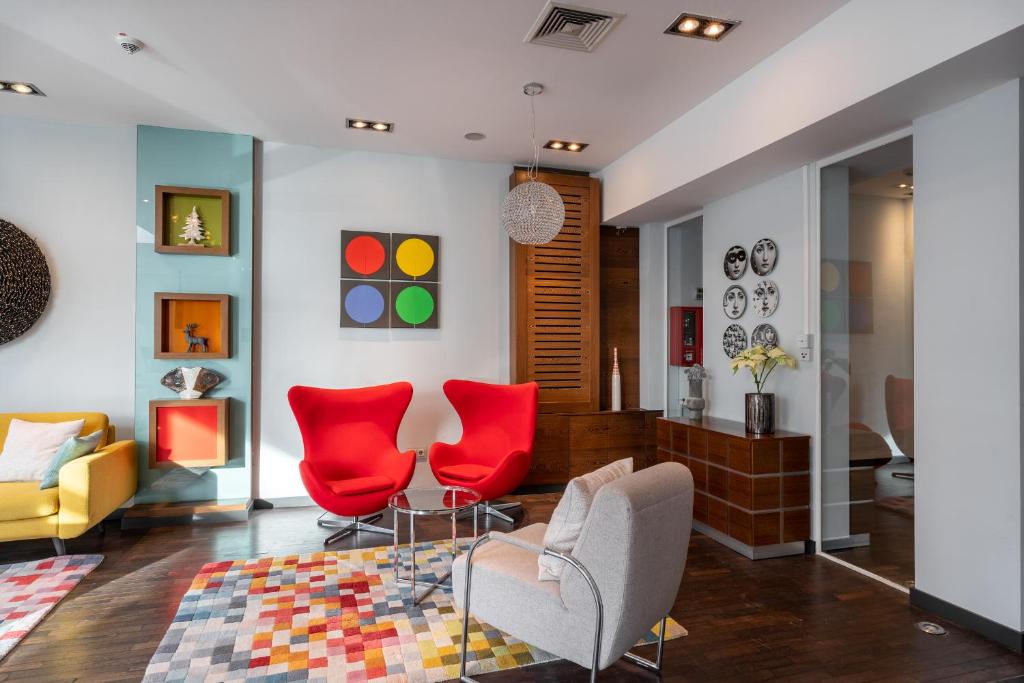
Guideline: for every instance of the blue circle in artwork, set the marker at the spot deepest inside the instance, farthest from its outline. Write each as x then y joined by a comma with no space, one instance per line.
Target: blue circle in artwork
364,304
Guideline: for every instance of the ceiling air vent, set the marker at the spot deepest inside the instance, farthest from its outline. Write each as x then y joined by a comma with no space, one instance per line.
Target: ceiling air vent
571,27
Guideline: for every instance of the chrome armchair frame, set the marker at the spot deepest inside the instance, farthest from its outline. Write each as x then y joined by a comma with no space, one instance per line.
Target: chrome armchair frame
357,524
654,666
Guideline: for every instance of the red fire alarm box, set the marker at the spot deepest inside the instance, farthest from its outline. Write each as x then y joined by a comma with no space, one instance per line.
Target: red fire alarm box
686,335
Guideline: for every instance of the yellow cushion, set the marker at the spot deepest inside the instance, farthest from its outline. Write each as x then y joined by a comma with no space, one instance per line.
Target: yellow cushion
24,500
93,421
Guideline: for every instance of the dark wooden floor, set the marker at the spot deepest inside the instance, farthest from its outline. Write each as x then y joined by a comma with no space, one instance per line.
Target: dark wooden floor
891,551
790,619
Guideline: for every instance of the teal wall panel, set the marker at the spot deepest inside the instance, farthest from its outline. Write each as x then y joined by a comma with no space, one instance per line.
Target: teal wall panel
168,156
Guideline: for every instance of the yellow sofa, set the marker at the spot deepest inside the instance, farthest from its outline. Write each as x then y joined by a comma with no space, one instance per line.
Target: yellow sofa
90,488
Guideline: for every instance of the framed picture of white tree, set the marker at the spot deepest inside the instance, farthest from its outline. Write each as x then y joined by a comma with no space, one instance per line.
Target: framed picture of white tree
192,220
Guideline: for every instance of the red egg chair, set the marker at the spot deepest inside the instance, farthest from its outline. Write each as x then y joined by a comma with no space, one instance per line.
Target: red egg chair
494,454
351,463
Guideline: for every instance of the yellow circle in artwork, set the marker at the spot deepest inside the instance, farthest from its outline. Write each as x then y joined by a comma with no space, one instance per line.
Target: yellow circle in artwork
829,277
414,257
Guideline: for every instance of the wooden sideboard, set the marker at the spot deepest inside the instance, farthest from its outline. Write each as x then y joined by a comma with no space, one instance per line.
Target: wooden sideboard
751,492
569,444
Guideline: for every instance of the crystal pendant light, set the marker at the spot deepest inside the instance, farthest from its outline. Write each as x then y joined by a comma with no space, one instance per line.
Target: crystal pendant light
533,212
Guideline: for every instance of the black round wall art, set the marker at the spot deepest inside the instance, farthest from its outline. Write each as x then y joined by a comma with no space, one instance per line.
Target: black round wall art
24,282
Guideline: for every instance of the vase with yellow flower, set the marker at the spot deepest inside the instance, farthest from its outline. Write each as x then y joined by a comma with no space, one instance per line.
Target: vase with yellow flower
760,406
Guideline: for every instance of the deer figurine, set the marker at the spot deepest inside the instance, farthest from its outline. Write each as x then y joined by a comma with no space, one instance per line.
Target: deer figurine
194,342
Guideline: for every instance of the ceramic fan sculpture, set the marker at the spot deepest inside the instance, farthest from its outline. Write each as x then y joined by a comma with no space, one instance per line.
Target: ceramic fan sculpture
190,383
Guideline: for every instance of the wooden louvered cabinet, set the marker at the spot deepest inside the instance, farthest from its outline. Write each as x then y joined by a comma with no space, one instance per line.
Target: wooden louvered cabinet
555,301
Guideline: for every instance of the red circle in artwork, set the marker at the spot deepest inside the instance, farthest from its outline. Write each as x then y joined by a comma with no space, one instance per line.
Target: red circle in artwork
365,255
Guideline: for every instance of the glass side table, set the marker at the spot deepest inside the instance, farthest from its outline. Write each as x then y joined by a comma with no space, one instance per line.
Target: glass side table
434,502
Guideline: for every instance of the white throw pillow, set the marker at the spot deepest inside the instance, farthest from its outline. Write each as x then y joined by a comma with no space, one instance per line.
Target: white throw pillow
571,512
30,447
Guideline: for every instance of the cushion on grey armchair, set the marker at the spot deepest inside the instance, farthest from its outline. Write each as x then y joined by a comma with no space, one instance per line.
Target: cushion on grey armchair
571,512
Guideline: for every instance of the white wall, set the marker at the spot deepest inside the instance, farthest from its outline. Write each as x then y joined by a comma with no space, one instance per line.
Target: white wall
775,106
774,209
72,189
878,234
685,276
653,316
967,365
309,195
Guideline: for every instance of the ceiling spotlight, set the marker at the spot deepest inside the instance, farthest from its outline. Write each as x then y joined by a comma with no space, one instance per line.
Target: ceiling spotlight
474,136
697,26
363,124
689,25
902,185
20,88
713,29
567,146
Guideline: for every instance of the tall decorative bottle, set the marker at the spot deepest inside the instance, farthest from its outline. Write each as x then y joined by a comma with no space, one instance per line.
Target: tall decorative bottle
616,381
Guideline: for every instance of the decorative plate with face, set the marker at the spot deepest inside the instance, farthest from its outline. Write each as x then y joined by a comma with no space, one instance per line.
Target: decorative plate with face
735,263
763,256
766,297
734,340
764,335
734,303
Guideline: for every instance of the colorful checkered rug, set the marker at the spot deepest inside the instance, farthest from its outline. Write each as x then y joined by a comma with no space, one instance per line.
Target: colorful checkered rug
328,617
29,590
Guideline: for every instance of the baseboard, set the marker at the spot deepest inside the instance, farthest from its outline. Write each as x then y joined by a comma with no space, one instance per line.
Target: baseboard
1004,635
284,502
147,516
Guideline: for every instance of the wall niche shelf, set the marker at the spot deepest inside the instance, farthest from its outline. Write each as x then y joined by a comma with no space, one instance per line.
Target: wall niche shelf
208,316
188,433
173,207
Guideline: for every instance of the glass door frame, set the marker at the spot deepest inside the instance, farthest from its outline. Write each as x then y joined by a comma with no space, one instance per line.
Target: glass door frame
813,224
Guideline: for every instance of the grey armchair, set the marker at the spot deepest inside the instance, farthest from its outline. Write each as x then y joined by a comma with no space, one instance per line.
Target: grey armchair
625,573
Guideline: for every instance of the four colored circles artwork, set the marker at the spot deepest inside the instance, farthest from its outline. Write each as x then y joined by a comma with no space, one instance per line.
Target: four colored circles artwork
389,280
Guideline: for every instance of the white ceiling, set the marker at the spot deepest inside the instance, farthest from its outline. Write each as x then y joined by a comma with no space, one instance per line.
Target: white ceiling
292,71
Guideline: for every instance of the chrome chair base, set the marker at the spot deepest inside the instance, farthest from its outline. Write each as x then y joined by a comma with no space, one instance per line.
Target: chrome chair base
494,510
355,526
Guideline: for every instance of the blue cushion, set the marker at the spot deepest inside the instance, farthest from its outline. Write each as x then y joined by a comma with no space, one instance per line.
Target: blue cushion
75,447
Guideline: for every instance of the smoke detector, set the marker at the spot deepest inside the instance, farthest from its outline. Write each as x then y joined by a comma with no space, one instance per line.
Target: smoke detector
571,27
128,44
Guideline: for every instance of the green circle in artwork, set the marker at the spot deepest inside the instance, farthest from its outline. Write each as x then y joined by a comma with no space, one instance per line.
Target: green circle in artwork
831,316
414,305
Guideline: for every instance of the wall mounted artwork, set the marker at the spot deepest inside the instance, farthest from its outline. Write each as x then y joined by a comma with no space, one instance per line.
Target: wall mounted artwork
24,282
735,262
734,303
192,220
187,325
766,297
764,335
734,340
189,433
763,256
389,280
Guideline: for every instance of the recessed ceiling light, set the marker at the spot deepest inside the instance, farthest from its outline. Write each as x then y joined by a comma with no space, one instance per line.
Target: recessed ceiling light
20,88
689,25
698,26
474,136
902,185
365,124
566,146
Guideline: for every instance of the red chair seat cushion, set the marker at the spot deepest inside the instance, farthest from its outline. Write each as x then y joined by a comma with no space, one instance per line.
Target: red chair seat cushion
466,472
359,485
